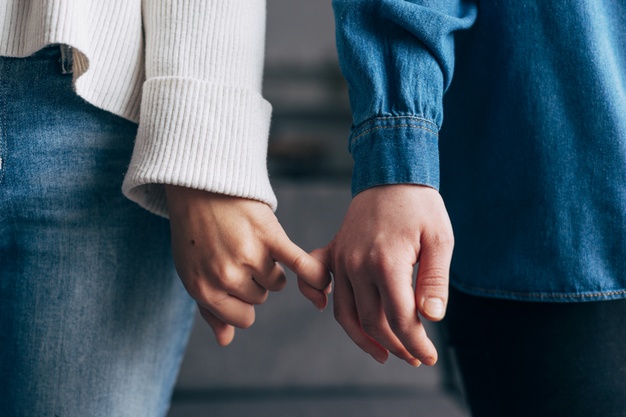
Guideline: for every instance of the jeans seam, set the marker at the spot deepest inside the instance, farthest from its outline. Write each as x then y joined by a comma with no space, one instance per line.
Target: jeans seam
3,120
67,59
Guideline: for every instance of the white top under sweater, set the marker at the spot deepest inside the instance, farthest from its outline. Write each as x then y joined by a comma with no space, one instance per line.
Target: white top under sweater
189,71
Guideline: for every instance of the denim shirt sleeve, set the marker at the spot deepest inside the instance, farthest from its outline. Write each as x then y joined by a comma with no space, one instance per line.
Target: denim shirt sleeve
397,57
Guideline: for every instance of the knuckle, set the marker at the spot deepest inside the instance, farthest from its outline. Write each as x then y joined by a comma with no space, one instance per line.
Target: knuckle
443,239
199,291
230,283
353,263
342,316
433,278
370,325
399,324
299,264
380,258
247,247
222,271
382,264
249,260
228,277
375,261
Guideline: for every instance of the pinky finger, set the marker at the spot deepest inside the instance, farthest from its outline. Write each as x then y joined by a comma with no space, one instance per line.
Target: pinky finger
224,332
319,298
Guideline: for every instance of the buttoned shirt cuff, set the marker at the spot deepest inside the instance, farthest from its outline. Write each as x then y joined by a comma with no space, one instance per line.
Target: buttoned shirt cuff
395,150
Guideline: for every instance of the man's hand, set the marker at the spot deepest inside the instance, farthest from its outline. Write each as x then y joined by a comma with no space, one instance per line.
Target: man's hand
226,251
386,231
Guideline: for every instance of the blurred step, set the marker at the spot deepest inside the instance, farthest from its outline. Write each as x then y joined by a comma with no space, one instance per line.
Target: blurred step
361,402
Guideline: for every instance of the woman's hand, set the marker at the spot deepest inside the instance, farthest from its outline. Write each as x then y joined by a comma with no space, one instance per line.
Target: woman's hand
226,251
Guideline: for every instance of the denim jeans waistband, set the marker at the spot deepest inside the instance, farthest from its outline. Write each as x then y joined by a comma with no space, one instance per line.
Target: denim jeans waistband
61,53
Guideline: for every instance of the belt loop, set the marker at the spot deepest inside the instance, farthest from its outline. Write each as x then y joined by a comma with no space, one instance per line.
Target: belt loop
67,59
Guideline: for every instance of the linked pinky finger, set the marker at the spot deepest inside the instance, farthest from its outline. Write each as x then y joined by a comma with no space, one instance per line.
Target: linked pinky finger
319,298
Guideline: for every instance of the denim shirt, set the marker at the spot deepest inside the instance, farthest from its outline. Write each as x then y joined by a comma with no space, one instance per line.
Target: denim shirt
533,148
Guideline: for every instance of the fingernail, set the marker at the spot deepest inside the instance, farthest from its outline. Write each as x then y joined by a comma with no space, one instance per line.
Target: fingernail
414,362
430,361
380,359
434,307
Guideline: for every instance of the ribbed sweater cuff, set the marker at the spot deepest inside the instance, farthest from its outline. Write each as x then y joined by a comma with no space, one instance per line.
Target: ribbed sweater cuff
199,135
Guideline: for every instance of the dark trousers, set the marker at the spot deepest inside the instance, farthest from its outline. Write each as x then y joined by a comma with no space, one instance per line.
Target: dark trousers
540,359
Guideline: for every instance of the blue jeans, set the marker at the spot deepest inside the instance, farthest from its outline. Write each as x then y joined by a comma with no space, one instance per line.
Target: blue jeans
93,319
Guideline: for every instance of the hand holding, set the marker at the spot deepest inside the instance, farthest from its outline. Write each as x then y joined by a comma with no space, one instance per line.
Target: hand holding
226,251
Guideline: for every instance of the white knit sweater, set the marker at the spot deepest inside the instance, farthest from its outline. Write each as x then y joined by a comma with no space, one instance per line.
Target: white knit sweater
189,71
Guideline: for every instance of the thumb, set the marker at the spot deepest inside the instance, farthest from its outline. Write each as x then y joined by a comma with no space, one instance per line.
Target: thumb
310,270
431,287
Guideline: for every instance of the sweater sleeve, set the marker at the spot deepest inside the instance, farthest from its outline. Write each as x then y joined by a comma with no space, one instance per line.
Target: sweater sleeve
397,57
203,122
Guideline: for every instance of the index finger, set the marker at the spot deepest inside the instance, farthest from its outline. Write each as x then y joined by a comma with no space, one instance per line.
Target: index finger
312,271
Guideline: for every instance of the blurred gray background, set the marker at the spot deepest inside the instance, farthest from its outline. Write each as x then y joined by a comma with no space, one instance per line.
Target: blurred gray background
296,361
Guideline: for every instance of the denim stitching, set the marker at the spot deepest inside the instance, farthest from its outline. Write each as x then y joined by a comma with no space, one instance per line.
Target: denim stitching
356,138
375,119
541,295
